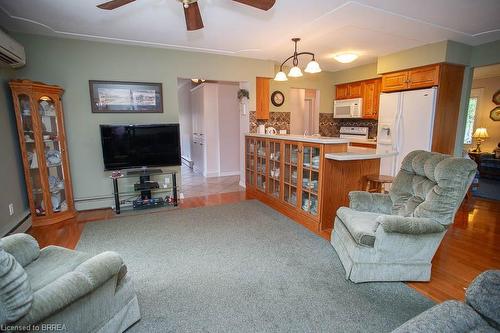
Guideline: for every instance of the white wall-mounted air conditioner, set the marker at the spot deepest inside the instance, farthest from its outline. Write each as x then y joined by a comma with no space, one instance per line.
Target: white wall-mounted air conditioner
11,52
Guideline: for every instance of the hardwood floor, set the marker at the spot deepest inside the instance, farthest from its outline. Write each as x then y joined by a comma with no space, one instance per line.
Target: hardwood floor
470,246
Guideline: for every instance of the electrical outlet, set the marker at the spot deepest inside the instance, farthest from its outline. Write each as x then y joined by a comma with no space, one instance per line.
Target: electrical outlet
11,209
167,181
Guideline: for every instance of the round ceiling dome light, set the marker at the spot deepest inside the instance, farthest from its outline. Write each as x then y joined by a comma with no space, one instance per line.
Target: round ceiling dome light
346,58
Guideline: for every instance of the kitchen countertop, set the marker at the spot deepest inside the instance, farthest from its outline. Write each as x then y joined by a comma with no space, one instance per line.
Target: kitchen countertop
371,141
358,153
301,138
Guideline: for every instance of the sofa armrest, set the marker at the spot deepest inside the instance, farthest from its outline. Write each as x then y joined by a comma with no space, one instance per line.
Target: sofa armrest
370,202
409,225
22,247
87,277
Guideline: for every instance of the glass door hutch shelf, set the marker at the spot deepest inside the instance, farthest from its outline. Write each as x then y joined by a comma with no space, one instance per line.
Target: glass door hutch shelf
40,124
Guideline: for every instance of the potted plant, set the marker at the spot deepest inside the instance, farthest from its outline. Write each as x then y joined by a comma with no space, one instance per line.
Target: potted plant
243,96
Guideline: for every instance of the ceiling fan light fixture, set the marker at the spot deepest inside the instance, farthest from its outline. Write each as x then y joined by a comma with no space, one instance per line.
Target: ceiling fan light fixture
312,67
280,76
295,71
346,58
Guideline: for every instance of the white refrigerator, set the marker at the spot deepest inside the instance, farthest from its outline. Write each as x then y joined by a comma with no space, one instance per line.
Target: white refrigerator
405,124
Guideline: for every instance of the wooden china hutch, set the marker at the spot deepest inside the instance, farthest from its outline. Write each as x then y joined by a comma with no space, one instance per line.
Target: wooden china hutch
40,124
293,175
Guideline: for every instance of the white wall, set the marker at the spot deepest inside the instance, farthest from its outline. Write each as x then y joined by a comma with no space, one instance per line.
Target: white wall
72,63
185,116
229,129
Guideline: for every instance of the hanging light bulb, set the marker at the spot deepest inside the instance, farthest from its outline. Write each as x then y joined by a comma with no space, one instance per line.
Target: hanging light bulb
312,67
280,76
295,71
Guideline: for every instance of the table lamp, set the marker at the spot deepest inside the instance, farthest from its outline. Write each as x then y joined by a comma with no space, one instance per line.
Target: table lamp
480,135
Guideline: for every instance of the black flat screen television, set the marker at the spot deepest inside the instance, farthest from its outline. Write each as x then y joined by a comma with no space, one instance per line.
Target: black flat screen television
134,146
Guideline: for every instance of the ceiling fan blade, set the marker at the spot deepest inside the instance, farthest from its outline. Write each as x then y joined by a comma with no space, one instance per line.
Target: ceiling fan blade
114,4
260,4
193,17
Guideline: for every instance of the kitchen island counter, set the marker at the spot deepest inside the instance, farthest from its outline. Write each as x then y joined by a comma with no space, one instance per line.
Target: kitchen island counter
301,138
358,153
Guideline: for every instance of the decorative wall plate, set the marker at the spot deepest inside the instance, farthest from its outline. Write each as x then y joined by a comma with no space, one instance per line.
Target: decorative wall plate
277,98
495,114
496,98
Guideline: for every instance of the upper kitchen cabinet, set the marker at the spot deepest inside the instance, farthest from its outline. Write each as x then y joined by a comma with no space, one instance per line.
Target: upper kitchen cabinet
262,98
348,90
370,93
415,78
447,78
342,91
368,90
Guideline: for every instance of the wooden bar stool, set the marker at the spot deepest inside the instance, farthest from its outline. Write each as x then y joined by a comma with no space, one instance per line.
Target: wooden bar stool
375,183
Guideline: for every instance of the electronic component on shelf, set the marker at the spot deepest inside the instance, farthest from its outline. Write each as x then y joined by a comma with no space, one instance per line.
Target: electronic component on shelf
148,203
148,185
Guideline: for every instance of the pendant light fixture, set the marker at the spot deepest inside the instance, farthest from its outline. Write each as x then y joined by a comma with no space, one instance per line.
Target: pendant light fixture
312,67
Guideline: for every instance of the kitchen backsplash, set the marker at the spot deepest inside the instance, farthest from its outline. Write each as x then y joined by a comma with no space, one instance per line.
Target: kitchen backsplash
278,120
328,126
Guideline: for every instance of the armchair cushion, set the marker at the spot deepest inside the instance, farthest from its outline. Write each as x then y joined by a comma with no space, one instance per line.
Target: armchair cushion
22,246
15,290
69,287
409,225
361,225
370,202
54,262
483,295
431,185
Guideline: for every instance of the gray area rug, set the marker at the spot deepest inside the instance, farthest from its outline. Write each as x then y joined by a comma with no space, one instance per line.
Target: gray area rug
244,268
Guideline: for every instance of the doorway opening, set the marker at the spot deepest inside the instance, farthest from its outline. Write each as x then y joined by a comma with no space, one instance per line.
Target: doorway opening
482,130
304,111
209,117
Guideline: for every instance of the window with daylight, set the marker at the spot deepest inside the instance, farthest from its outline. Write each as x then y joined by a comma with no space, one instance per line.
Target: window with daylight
471,116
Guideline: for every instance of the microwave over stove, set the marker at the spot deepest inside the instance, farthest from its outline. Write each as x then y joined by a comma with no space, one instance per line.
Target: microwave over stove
348,108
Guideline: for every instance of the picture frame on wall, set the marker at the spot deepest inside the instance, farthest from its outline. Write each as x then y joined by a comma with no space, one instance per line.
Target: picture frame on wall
125,97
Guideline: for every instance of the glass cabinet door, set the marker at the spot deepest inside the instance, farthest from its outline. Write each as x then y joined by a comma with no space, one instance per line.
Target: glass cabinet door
261,164
34,179
310,179
53,154
291,160
275,168
250,162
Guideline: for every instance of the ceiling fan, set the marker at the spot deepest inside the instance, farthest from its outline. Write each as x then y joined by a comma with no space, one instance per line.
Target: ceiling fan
191,9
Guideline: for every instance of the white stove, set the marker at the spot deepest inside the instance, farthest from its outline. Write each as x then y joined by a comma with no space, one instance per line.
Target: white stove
354,133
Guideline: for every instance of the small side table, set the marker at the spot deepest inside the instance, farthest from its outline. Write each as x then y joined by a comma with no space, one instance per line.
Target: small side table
375,183
475,156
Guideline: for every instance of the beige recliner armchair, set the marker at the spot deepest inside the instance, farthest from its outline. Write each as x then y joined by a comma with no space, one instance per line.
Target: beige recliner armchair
59,289
393,237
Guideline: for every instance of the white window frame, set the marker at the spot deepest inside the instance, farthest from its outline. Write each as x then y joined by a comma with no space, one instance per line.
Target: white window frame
474,93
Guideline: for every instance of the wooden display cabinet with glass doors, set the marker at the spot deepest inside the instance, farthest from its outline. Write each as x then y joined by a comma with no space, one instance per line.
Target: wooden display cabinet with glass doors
288,176
42,138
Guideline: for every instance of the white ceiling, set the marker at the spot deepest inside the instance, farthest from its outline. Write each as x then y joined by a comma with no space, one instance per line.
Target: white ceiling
485,72
369,27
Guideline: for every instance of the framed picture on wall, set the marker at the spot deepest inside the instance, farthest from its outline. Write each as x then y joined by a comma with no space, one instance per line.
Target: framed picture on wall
125,97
